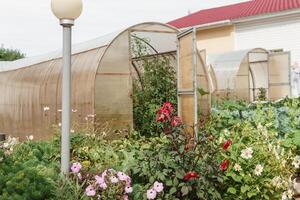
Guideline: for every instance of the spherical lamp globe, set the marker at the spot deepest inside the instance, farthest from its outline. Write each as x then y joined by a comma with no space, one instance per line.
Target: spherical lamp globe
66,9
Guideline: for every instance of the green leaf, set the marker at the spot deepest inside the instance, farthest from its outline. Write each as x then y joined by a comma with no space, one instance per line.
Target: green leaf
173,190
169,183
232,190
184,190
245,188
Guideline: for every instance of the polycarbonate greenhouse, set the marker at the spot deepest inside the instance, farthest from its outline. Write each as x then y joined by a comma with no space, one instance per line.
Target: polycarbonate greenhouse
102,73
246,74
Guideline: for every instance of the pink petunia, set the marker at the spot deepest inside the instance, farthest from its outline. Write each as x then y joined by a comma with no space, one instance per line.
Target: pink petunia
103,186
122,176
125,197
151,194
75,168
128,189
114,179
99,179
90,191
158,187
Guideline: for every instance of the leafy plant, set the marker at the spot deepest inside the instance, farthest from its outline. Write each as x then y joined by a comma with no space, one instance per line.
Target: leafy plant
187,168
157,84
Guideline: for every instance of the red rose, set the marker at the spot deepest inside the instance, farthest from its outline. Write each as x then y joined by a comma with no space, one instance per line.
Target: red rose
227,144
176,121
191,175
224,165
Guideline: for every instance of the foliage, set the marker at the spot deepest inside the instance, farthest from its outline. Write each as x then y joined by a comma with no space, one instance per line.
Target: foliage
10,54
187,168
259,165
157,85
172,165
26,171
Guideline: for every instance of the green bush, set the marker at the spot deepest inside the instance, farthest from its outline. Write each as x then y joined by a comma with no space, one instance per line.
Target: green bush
157,86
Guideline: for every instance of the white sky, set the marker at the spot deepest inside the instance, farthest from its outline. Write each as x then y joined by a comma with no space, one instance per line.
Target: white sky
30,26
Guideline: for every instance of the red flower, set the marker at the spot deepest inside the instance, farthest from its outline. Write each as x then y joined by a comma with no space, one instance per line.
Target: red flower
227,144
176,121
224,165
191,175
164,113
168,106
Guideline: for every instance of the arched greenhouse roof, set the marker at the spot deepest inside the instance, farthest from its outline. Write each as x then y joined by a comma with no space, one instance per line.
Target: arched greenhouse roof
100,42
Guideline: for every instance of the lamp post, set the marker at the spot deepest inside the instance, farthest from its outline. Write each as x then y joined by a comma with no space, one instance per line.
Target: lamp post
66,11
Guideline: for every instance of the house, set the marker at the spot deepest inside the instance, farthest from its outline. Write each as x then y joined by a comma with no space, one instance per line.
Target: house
270,24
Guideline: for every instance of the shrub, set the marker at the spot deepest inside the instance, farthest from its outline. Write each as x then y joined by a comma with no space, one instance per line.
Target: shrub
157,85
186,168
256,165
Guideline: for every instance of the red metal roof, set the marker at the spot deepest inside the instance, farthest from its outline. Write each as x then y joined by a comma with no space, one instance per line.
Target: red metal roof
235,11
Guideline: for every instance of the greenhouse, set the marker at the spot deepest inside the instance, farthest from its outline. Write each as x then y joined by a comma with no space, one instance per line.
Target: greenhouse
102,73
251,75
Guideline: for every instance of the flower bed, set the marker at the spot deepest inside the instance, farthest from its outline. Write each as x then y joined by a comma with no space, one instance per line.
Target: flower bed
248,157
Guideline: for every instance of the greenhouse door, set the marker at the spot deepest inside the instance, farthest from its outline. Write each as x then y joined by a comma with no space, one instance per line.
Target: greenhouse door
279,75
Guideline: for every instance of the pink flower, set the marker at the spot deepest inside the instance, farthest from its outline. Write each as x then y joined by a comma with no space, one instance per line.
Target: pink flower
75,168
90,191
125,197
176,121
104,174
114,179
158,187
122,176
128,189
151,194
128,181
99,180
103,186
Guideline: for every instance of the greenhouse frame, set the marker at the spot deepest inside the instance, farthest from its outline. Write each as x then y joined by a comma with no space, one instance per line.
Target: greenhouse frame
102,73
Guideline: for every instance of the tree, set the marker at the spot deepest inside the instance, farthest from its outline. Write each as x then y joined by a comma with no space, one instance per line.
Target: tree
10,54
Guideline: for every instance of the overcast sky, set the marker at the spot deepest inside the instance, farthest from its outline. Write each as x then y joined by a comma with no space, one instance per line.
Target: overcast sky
30,26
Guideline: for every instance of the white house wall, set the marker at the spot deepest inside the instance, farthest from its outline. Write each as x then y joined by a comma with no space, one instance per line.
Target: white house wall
279,33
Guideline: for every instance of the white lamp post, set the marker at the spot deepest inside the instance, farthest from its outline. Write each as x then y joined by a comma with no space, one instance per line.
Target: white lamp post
66,11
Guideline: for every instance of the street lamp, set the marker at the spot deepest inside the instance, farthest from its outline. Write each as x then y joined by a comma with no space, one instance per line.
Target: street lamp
66,11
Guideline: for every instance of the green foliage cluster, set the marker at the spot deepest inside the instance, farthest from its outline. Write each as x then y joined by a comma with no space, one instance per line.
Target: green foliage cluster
10,54
282,116
157,85
29,173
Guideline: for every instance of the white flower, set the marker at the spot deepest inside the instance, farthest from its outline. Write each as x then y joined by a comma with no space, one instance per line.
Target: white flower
46,108
284,196
72,131
30,137
74,110
258,170
247,153
296,162
5,145
237,167
59,124
277,182
59,110
290,194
